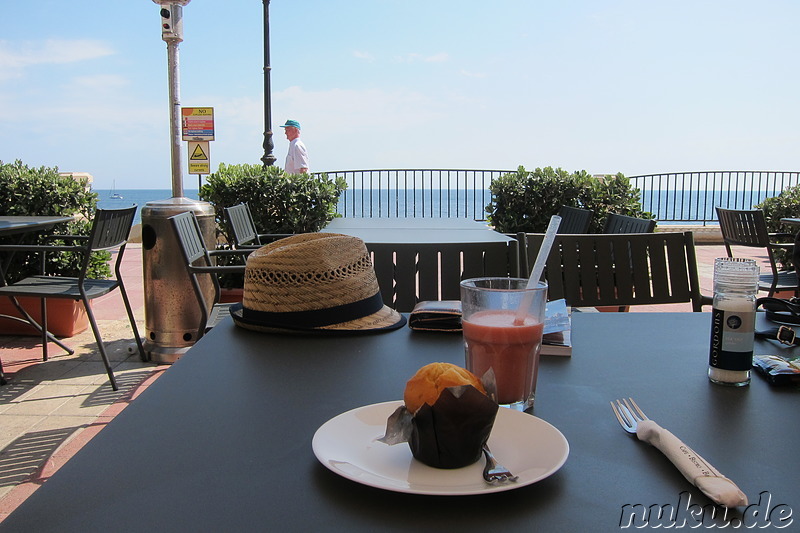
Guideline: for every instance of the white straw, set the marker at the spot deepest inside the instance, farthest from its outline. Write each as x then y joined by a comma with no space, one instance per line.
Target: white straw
538,268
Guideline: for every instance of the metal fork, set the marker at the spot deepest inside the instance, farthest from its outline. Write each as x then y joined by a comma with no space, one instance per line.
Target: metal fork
628,414
495,473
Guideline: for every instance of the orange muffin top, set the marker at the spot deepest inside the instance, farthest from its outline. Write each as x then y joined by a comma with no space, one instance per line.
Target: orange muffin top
430,380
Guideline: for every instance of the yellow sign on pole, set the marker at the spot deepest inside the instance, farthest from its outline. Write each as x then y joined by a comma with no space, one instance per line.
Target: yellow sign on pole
199,157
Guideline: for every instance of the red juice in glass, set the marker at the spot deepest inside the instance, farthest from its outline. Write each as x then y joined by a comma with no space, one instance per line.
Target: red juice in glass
494,341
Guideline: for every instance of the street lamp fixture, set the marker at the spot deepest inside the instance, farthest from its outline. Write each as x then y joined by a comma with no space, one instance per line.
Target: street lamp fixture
268,159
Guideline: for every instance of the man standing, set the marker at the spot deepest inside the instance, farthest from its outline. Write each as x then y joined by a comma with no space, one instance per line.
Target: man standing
297,157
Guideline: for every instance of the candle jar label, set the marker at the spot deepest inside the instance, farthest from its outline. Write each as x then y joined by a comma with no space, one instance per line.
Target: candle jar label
732,339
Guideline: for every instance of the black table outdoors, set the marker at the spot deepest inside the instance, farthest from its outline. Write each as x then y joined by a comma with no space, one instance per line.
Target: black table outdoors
222,441
19,226
416,230
419,259
10,225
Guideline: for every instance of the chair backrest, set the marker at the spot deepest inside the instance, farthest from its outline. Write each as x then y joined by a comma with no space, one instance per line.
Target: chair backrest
743,227
748,227
410,273
574,220
621,269
240,221
190,238
195,254
616,223
110,230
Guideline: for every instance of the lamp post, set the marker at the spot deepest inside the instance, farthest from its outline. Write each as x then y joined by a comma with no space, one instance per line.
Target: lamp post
268,158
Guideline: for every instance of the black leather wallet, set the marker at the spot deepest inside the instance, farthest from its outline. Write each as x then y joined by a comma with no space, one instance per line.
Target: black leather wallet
432,315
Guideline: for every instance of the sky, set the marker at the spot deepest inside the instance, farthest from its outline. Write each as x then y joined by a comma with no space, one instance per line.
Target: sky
605,86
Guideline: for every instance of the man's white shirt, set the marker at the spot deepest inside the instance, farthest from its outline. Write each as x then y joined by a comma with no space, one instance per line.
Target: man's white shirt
296,157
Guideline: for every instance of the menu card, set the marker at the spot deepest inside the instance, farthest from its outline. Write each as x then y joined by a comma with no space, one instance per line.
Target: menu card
557,328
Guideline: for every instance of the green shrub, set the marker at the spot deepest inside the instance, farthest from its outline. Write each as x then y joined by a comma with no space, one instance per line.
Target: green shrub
611,194
525,201
785,205
279,202
27,191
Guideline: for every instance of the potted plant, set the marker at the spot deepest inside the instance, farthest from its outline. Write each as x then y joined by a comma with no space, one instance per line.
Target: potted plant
29,191
279,202
524,201
785,205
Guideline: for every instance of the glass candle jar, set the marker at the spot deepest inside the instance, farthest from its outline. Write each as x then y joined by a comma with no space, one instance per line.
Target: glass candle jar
733,321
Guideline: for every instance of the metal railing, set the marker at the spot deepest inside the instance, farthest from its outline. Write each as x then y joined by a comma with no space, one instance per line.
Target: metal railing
435,193
677,197
691,197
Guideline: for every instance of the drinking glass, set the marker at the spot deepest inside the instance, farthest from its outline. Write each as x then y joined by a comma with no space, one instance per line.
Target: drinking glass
503,321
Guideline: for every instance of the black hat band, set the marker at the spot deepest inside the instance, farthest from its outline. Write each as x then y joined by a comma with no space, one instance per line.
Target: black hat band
316,318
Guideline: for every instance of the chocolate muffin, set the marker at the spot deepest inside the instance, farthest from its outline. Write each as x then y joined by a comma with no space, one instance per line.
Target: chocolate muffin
452,415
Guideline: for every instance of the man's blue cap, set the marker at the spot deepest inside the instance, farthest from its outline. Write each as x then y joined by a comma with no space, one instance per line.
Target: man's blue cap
291,124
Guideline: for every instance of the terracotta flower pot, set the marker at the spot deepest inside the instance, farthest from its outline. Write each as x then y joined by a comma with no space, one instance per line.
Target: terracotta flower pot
231,295
65,318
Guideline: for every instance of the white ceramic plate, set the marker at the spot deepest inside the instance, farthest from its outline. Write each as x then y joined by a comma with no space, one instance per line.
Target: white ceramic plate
347,444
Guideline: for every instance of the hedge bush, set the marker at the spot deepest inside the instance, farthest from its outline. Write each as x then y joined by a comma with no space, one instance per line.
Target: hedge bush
29,191
279,202
524,201
785,205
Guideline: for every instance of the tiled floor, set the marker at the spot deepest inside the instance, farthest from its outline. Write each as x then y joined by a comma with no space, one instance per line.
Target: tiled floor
49,410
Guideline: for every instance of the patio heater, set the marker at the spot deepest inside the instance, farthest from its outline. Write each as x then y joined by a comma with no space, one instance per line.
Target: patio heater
171,313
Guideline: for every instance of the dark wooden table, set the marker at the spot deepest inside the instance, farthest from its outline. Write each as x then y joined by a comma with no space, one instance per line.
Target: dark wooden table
418,259
222,441
20,225
10,225
416,230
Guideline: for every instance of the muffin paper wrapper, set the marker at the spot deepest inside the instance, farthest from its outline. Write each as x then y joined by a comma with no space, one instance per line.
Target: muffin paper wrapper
449,434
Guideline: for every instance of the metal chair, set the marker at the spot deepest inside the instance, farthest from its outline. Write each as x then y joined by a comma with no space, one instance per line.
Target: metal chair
574,220
200,261
616,223
110,230
598,270
410,273
748,227
243,228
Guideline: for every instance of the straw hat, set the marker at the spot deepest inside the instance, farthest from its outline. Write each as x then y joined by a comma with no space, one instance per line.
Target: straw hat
320,282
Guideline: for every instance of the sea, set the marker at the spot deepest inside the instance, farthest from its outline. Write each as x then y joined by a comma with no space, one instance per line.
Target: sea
685,206
140,197
353,203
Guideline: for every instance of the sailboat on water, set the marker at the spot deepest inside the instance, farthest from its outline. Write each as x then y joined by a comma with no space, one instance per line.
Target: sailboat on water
114,195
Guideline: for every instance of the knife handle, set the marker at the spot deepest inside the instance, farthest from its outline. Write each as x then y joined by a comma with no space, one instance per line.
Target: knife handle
694,468
690,464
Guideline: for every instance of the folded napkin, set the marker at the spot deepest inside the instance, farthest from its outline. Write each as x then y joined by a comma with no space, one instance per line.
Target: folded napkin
697,470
